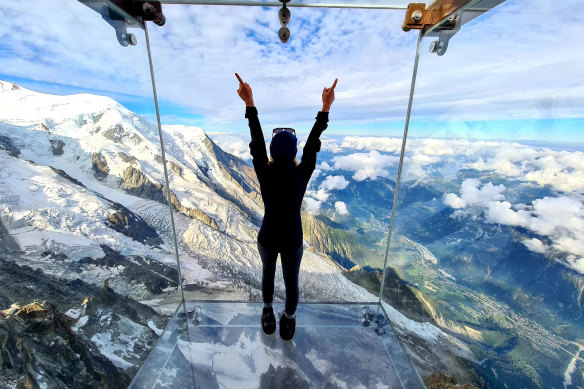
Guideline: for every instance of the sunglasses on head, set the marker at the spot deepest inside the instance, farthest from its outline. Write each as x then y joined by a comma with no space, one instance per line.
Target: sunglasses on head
282,129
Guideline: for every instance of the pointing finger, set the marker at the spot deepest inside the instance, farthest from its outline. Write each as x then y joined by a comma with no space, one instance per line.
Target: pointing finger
239,78
335,83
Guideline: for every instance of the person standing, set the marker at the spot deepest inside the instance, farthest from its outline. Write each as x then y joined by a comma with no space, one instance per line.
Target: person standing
283,182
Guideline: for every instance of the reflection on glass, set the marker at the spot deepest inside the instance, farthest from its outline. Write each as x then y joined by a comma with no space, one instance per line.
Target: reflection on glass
488,234
86,257
218,202
226,348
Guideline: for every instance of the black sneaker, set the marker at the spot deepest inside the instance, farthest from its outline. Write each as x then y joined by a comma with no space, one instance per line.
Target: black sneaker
268,321
287,327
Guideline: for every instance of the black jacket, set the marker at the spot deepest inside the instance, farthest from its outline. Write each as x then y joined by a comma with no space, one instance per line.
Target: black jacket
283,185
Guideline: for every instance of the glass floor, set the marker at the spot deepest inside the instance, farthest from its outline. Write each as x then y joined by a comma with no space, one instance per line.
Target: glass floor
221,345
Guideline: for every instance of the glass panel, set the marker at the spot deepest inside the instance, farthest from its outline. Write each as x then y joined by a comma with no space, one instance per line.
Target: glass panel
487,242
220,209
86,251
164,363
332,347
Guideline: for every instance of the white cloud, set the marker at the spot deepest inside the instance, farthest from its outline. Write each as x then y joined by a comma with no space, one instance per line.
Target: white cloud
500,212
554,215
199,48
311,205
535,245
471,195
365,165
563,170
390,145
560,219
341,208
576,263
334,182
453,201
325,166
330,145
233,144
321,194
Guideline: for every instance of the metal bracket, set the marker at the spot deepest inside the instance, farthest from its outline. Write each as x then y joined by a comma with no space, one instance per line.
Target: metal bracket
419,17
444,18
122,14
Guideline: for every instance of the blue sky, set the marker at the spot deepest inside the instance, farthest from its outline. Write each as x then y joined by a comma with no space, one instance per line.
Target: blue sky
503,77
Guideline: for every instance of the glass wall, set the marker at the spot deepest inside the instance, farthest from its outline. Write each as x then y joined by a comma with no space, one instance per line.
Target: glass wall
218,201
487,242
88,271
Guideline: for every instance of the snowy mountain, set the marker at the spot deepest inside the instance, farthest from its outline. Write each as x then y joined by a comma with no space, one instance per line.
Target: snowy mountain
83,203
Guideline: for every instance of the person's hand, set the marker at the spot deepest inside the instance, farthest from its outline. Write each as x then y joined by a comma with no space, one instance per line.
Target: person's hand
245,92
328,96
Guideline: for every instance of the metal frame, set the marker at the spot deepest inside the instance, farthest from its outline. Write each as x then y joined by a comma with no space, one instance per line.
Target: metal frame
444,18
291,4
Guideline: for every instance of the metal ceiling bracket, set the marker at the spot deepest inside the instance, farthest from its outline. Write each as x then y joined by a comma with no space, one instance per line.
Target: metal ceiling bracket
443,18
123,14
420,17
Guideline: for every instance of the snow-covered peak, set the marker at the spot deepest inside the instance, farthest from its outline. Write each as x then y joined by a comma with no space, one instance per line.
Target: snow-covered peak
188,133
6,86
22,106
100,143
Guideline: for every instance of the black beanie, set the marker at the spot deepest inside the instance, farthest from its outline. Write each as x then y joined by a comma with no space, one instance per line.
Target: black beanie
283,147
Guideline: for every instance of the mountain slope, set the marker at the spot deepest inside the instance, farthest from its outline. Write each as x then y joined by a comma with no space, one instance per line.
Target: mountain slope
83,201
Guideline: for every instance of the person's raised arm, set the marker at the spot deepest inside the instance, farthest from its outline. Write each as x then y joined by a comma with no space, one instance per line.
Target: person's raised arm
328,96
257,146
245,92
312,146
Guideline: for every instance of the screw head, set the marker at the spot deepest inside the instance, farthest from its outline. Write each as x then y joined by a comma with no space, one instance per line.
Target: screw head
435,46
417,16
131,38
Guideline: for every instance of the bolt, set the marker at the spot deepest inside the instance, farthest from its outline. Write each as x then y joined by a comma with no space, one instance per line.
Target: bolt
128,39
435,46
417,16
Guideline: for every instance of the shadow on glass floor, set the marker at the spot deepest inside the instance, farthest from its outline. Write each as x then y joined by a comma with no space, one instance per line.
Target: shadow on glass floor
221,345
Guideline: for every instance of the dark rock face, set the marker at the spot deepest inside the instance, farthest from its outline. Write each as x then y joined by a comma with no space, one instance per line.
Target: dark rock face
7,242
37,341
126,158
57,147
155,276
173,166
118,134
399,294
282,378
37,344
7,144
241,174
440,381
115,133
132,225
63,174
344,247
136,183
99,165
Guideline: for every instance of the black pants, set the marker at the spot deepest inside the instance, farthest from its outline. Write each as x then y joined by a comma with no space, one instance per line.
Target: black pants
290,269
